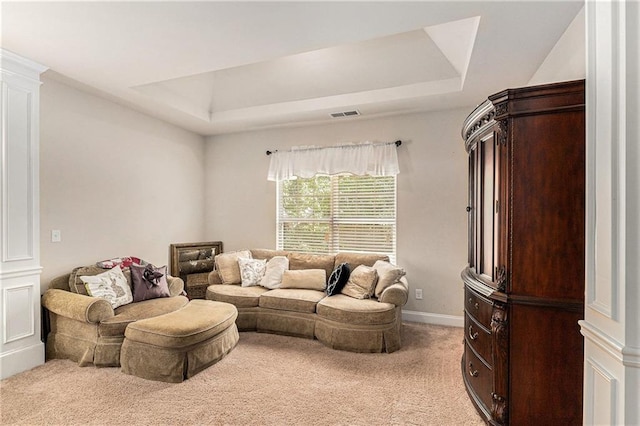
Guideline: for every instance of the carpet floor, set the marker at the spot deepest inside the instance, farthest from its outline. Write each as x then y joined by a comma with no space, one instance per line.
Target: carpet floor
266,380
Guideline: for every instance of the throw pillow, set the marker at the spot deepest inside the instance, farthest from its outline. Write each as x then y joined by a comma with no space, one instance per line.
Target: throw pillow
309,279
361,283
111,285
274,271
149,282
123,262
227,266
76,285
251,271
388,274
338,279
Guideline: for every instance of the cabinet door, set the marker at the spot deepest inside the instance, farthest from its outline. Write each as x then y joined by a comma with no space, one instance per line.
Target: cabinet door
471,211
486,207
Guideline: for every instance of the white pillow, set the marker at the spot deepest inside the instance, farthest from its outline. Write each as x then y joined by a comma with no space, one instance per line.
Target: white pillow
251,270
111,285
273,275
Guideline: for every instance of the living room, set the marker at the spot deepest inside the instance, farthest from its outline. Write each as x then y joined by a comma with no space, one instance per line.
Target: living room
116,180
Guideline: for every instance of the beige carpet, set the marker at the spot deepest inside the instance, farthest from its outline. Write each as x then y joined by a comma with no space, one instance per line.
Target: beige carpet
265,380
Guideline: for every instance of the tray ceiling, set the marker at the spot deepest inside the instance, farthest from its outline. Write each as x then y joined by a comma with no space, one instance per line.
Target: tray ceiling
216,67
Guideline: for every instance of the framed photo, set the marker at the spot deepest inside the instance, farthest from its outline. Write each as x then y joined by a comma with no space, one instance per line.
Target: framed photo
193,258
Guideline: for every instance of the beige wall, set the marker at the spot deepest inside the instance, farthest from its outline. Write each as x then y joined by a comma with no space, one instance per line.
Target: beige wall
114,181
432,188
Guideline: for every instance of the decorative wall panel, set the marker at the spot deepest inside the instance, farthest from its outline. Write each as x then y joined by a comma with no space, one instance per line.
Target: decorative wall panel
21,347
17,169
18,314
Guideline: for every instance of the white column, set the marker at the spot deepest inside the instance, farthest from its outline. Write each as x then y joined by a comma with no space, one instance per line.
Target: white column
20,345
612,312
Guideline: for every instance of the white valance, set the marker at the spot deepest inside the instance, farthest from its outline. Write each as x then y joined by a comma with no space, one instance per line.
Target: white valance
373,159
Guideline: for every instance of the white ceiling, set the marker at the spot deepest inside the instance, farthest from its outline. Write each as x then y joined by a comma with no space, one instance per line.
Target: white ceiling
216,67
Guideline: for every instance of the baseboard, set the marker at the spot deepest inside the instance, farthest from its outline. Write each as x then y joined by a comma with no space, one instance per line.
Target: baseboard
21,360
429,318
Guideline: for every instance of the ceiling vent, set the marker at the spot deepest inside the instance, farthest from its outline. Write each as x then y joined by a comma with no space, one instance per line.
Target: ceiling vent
345,114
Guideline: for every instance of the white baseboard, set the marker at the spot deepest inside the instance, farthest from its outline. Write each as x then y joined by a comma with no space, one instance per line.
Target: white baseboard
21,360
429,318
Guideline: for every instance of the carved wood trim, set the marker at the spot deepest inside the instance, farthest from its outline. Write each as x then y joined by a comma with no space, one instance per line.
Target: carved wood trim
502,109
503,132
479,123
501,279
499,330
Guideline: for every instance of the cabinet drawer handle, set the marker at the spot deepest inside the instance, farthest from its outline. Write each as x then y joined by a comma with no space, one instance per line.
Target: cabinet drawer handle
472,372
475,305
472,335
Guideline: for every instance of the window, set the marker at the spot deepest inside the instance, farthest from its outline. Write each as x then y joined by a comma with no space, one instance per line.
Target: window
343,213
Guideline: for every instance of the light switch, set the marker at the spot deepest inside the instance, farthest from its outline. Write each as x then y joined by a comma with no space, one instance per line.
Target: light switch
56,236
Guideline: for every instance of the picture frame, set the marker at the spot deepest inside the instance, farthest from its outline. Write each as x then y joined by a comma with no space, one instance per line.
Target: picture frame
193,258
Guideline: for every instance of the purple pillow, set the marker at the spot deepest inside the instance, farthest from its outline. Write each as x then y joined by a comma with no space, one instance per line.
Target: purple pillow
149,282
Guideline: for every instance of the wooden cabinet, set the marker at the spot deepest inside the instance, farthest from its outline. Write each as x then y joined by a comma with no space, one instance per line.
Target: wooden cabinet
524,282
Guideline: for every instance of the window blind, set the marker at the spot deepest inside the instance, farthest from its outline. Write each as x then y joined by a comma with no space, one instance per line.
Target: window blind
340,213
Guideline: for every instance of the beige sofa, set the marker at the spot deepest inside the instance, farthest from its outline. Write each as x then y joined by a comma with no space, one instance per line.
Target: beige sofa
338,321
87,329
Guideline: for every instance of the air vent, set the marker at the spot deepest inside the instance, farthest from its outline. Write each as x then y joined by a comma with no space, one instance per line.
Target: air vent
345,114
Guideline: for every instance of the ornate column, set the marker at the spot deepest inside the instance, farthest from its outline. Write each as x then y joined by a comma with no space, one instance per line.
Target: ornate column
21,347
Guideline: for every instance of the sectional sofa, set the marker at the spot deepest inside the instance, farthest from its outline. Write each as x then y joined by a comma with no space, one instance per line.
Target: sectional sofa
339,321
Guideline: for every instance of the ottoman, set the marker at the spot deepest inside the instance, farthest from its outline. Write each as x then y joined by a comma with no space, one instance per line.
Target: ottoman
175,346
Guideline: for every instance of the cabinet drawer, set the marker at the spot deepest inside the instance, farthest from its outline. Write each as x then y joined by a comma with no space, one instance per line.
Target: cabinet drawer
479,376
478,338
478,307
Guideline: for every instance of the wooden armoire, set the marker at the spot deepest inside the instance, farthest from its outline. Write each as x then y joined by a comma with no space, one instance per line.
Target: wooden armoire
524,282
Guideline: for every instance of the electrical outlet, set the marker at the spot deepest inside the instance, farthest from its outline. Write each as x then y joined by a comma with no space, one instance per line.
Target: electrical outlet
419,293
56,236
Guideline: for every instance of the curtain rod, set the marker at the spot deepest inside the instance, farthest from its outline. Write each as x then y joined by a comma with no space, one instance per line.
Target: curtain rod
398,143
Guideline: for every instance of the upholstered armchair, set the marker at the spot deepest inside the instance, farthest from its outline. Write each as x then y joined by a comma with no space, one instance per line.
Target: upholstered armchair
88,330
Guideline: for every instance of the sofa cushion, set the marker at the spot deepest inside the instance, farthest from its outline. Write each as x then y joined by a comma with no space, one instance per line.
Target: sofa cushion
241,297
310,279
194,323
227,266
388,274
296,300
111,285
311,261
362,282
125,315
267,254
345,309
273,274
356,259
251,271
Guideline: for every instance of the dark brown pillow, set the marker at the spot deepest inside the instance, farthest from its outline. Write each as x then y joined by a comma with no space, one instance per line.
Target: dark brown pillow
149,282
